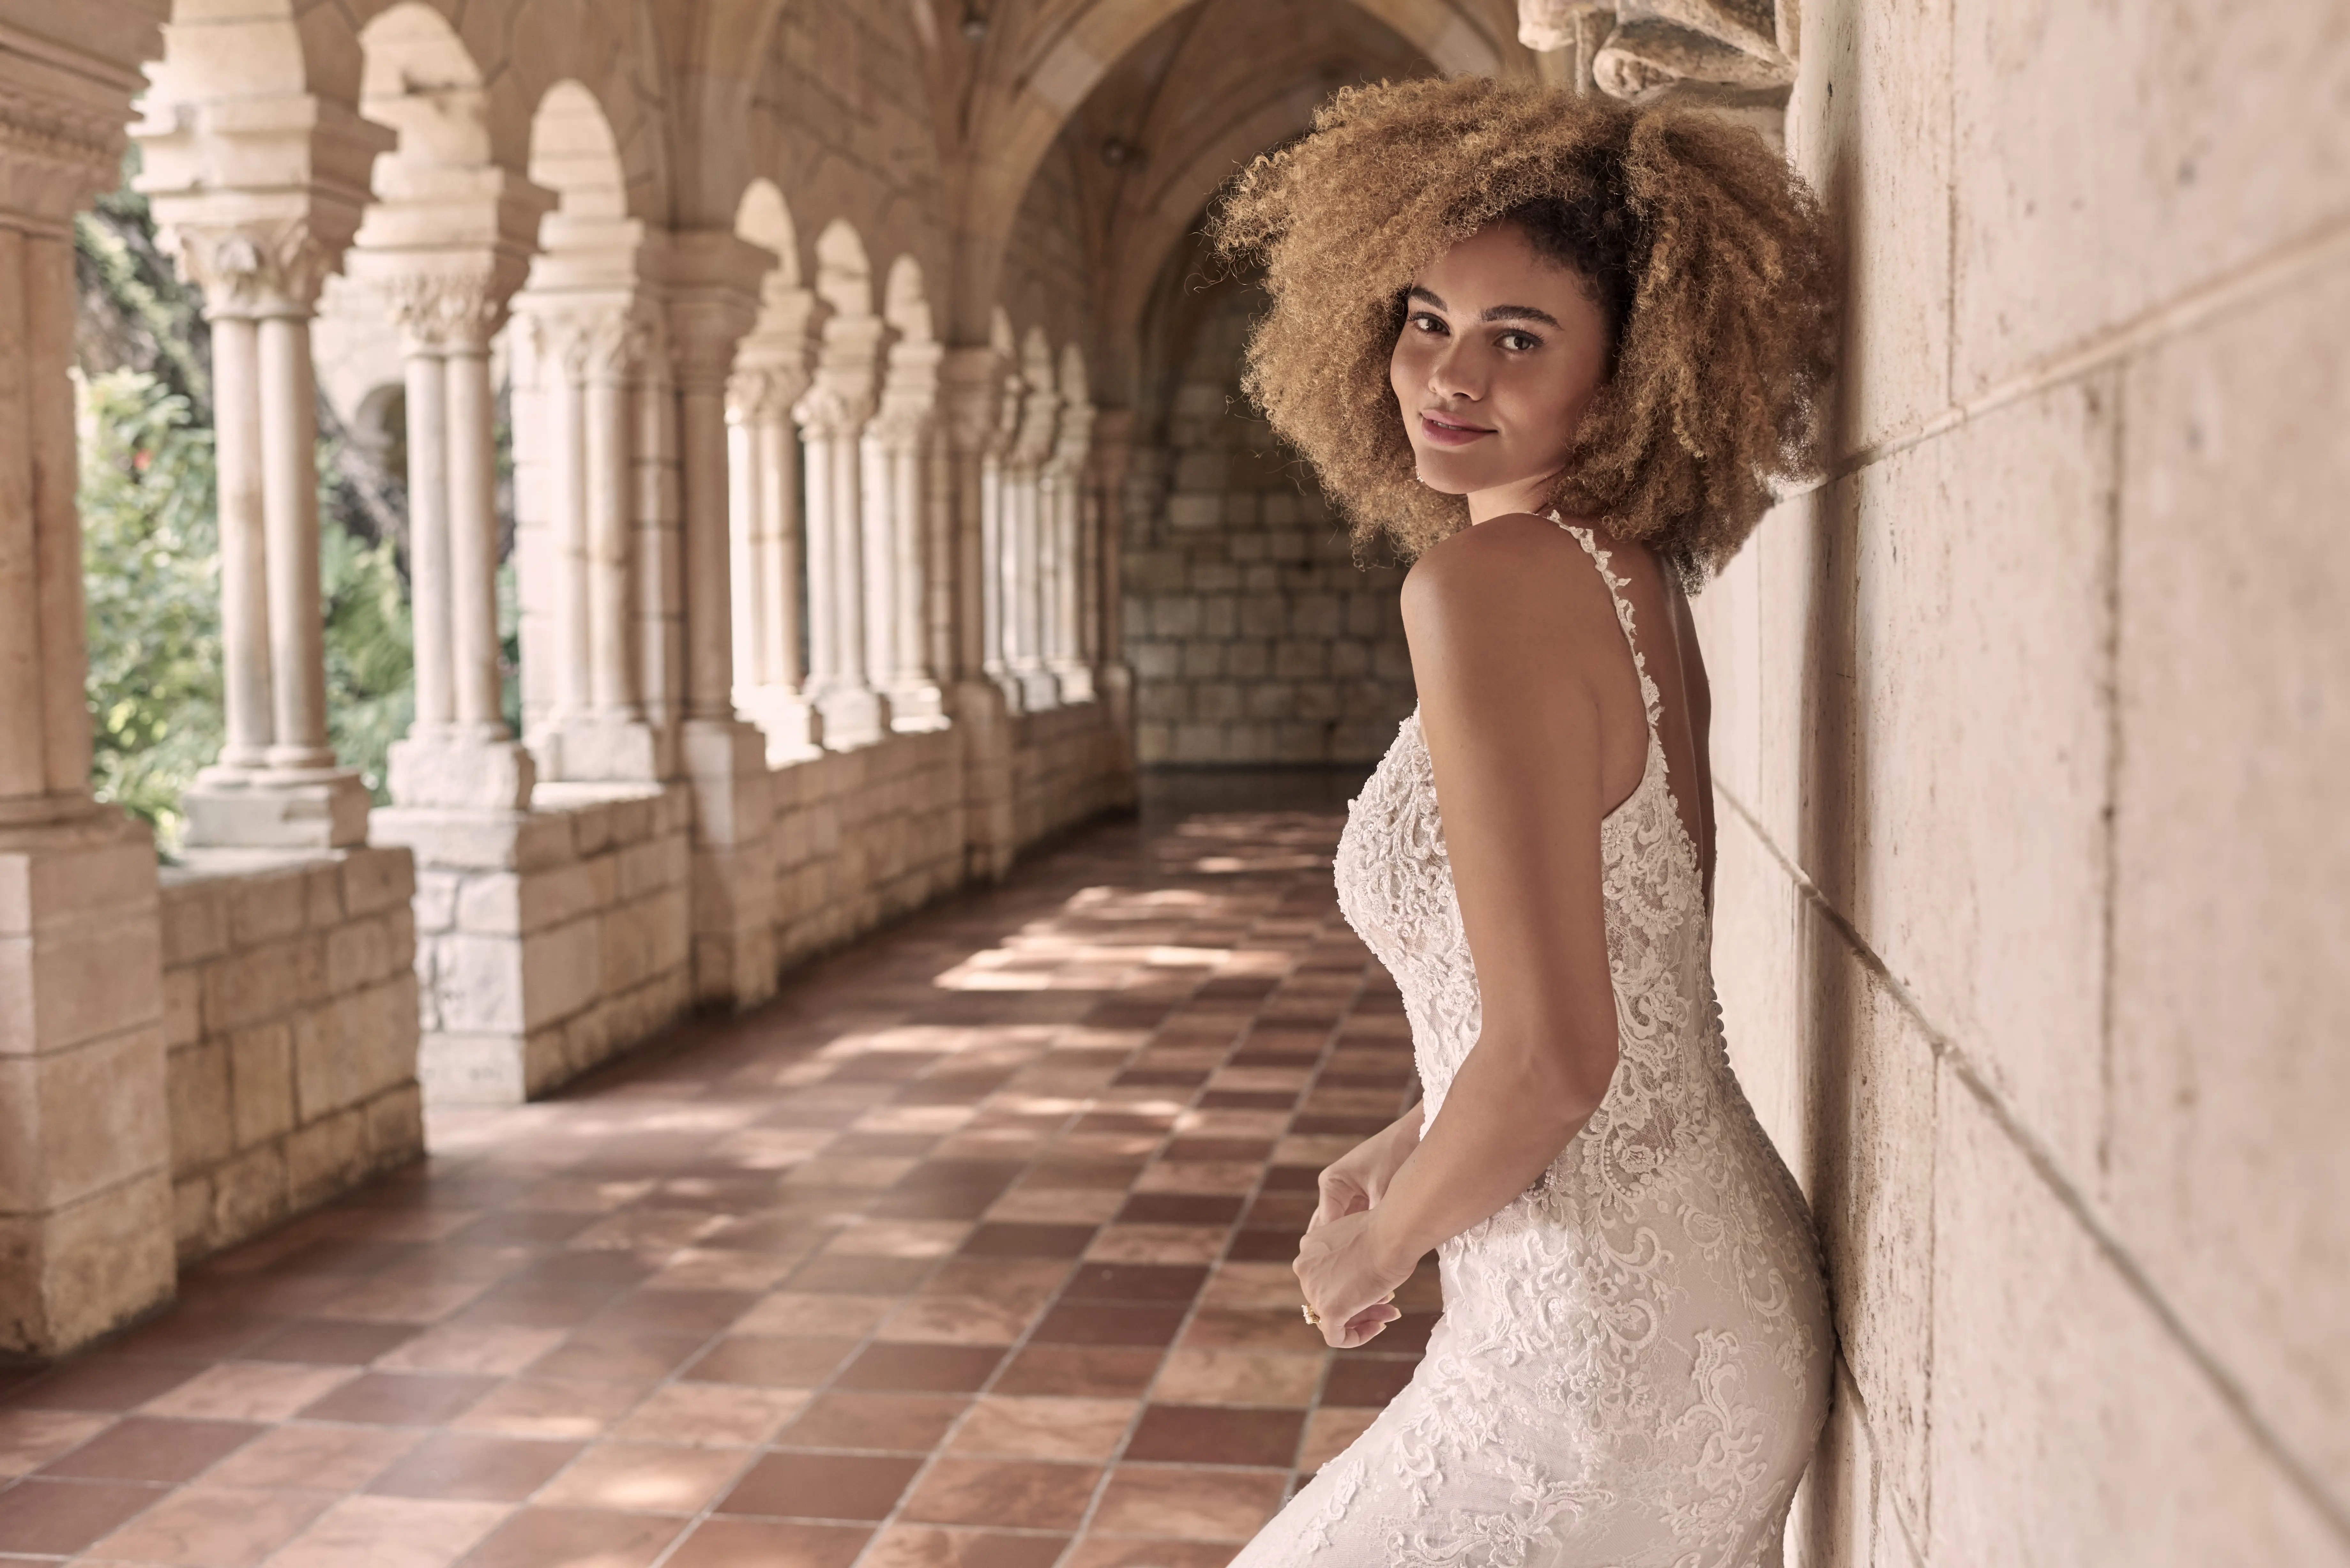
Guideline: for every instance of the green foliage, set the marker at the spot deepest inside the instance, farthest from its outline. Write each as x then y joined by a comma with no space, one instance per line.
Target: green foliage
151,572
370,653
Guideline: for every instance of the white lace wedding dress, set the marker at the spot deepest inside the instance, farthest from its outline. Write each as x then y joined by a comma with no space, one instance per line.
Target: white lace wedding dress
1632,1366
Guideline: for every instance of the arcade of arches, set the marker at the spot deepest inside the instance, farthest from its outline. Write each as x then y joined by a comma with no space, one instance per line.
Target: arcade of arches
881,506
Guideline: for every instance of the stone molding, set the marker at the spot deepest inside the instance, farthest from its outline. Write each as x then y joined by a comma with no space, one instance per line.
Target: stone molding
971,399
255,269
1645,47
758,394
602,344
828,410
442,312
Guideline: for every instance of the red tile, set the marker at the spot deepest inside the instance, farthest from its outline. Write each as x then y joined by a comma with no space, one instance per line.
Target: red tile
197,1332
791,1485
330,1342
903,1423
1136,1283
1012,1494
1216,1435
1180,1208
1292,1178
676,1312
585,1537
1108,1322
1362,1381
1263,1246
860,1276
1216,1148
466,1466
151,1448
1007,1239
400,1399
770,1361
105,1383
1096,1173
751,1543
55,1518
1084,1371
922,1368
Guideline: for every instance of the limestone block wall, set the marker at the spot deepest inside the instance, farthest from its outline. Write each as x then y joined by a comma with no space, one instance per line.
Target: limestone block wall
2029,740
290,1018
1066,767
550,941
863,836
1254,636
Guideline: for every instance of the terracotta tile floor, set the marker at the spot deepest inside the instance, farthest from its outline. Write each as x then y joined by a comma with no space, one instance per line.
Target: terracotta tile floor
968,1251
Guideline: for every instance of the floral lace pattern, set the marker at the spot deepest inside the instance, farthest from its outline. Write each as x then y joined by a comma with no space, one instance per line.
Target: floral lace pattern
1632,1366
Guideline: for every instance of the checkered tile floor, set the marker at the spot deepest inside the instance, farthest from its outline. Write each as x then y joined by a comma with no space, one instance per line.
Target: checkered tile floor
968,1251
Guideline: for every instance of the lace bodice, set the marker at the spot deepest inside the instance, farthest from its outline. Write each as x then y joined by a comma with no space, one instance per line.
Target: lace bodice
1632,1363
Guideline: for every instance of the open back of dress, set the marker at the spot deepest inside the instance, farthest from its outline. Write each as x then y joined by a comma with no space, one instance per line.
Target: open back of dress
1632,1363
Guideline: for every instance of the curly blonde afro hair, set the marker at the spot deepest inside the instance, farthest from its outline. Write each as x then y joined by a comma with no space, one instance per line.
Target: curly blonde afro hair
1706,251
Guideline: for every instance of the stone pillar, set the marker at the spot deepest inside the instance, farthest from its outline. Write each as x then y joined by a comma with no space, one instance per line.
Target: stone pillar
974,408
277,783
764,469
1064,488
1104,622
831,417
595,729
1006,398
85,1140
898,446
1024,555
459,753
713,305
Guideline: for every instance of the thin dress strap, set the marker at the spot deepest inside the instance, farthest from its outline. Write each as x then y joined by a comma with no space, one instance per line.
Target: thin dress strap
1650,699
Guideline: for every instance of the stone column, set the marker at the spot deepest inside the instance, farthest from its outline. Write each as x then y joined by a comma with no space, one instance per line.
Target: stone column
973,409
899,445
85,1222
276,784
1110,471
713,302
1025,557
595,729
1064,487
831,417
459,753
993,565
764,469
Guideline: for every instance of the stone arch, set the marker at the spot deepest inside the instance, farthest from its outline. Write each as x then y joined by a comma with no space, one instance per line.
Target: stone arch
573,153
603,49
904,305
843,277
763,217
1015,124
418,78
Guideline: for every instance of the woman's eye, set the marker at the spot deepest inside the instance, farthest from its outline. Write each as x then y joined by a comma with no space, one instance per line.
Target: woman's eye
1520,342
1426,322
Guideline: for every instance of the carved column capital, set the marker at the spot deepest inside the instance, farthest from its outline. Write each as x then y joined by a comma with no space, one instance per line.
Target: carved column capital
254,269
438,312
1644,48
55,154
758,394
591,344
828,410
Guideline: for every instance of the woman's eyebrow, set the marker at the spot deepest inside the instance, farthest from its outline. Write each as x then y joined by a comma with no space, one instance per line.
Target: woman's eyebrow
1416,292
1519,313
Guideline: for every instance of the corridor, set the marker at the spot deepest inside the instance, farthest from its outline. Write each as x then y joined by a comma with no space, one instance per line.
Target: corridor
968,1251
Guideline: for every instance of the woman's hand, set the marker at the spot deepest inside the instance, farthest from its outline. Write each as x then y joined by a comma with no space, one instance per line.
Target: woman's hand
1359,1179
1348,1278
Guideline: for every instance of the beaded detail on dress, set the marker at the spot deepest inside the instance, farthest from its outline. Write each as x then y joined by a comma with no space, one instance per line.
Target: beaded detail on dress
1632,1366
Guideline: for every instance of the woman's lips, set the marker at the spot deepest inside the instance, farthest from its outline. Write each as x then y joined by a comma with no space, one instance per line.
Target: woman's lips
1448,432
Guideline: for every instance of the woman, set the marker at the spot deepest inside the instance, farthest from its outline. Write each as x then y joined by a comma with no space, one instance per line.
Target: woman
1560,350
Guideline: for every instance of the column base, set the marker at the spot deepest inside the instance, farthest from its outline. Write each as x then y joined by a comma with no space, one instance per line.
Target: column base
1007,689
594,748
1075,682
990,834
1038,690
916,706
263,808
86,1238
733,875
795,730
853,716
460,773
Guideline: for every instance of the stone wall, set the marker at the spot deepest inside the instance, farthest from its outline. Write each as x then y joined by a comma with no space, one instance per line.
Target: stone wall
290,1016
1254,636
864,837
550,941
1066,766
2029,734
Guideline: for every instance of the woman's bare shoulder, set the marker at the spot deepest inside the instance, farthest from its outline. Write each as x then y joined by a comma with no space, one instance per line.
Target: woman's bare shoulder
1505,581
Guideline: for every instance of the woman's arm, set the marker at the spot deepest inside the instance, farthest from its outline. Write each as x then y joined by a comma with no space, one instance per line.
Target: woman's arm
1514,640
1357,1180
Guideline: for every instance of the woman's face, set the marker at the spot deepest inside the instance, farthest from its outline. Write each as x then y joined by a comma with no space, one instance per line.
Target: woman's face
1501,352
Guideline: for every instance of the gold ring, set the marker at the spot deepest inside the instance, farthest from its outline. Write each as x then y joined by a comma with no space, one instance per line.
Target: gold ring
1311,1315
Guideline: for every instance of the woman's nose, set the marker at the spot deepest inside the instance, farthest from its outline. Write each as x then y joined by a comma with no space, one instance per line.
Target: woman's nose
1450,375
